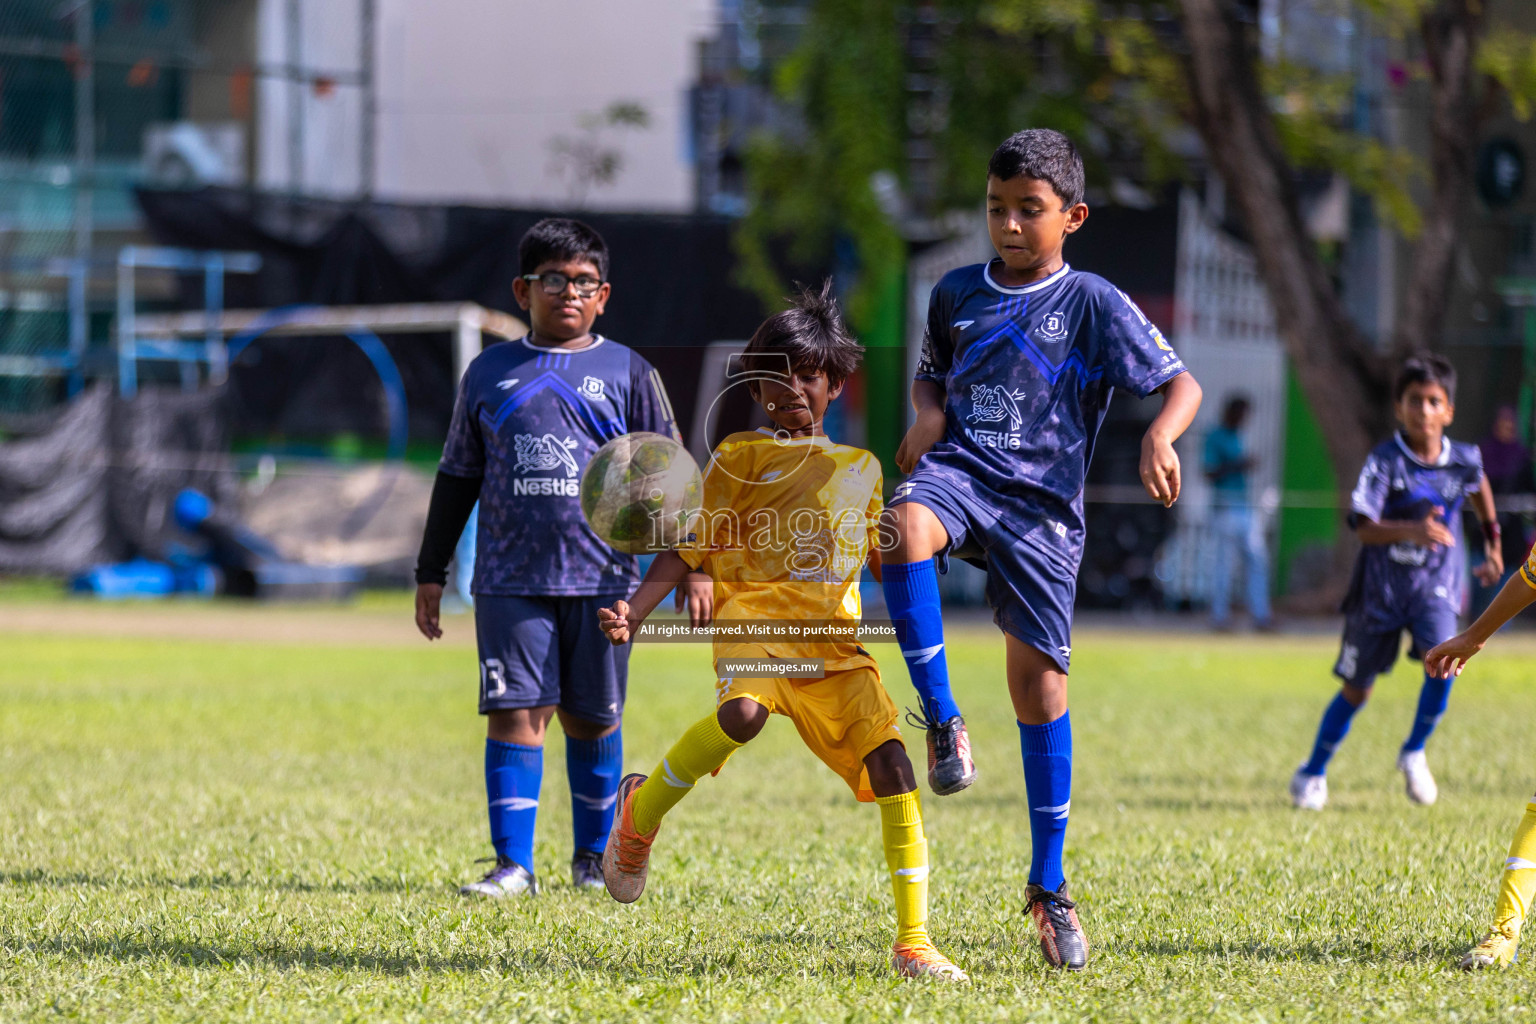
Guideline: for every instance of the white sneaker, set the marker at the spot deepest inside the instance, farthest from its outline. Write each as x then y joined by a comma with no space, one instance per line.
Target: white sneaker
507,878
1415,769
1309,792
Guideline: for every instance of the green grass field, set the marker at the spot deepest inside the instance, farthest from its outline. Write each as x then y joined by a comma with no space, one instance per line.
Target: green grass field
274,830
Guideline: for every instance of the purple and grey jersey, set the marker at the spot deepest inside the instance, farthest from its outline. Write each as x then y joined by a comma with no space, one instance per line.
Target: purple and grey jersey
1392,582
1028,373
527,421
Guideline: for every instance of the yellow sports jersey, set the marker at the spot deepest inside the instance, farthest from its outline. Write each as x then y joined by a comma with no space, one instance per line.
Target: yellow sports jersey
1528,570
786,527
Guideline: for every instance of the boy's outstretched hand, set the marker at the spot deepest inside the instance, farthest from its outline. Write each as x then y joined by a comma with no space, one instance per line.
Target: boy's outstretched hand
615,622
1160,469
429,603
1448,659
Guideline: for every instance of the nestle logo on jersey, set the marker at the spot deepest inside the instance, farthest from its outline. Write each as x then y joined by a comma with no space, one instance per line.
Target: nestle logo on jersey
546,487
994,439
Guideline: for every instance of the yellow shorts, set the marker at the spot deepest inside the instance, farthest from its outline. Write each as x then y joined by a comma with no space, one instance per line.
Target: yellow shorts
843,717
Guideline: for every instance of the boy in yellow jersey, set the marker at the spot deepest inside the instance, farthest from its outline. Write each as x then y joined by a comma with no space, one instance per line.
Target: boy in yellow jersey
1518,884
789,521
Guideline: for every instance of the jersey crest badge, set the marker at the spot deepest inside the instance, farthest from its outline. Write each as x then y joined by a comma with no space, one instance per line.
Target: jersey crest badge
536,454
1053,327
592,387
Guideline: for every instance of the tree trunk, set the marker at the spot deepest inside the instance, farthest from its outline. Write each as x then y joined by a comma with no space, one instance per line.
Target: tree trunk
1450,32
1343,378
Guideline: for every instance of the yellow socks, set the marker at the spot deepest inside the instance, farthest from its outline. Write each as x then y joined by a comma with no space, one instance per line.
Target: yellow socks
906,853
1518,884
700,750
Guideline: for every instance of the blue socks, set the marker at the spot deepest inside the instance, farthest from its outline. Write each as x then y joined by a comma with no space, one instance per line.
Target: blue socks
594,768
1048,786
912,597
1330,733
1432,701
512,777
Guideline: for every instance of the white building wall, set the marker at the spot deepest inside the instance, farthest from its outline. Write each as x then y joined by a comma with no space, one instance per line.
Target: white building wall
1224,330
475,96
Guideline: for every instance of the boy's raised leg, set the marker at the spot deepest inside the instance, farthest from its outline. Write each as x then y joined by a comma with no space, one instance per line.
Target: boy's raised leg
1039,692
1516,889
1309,786
1434,696
911,586
643,801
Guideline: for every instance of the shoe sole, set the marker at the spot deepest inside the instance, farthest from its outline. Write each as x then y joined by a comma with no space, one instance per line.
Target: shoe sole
500,894
1414,798
953,788
920,974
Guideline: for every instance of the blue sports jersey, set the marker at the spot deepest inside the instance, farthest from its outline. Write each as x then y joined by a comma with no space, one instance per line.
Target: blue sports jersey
1392,582
527,421
1028,374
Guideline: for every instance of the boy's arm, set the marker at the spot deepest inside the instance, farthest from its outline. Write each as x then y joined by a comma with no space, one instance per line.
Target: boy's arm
1159,462
933,367
927,428
1493,548
1426,532
697,594
1451,657
621,621
453,499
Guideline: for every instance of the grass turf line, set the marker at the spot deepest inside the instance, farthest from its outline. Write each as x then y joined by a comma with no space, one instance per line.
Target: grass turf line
196,830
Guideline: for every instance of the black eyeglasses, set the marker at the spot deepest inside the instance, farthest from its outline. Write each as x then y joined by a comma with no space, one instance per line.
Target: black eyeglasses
555,283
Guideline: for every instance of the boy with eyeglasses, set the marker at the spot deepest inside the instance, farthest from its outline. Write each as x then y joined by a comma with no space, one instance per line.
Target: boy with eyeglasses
529,415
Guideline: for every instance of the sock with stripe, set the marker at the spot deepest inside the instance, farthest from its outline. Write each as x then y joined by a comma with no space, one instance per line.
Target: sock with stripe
1518,883
594,768
1330,733
1433,698
699,751
912,598
1048,785
906,854
513,774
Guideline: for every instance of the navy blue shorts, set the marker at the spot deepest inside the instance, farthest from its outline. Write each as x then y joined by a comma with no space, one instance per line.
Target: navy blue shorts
538,651
1367,650
1031,594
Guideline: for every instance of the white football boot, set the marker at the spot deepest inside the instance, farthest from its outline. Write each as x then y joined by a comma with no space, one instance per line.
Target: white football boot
1415,769
1309,792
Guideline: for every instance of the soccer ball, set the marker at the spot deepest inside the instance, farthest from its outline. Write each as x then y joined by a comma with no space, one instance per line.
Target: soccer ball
639,491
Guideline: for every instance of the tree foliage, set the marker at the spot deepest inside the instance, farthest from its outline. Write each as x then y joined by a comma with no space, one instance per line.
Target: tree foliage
1112,74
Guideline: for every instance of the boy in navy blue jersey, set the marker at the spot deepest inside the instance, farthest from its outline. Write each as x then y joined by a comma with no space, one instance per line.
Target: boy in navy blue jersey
529,415
1406,510
1019,361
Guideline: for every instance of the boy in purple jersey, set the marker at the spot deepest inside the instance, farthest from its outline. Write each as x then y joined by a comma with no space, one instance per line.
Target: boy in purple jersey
1019,361
529,416
1406,510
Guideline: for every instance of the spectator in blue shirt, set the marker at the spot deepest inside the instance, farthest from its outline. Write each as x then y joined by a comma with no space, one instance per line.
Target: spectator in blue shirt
1237,531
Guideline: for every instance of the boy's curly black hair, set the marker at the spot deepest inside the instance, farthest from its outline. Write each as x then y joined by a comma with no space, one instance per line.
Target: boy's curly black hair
560,238
1042,154
811,333
1425,368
